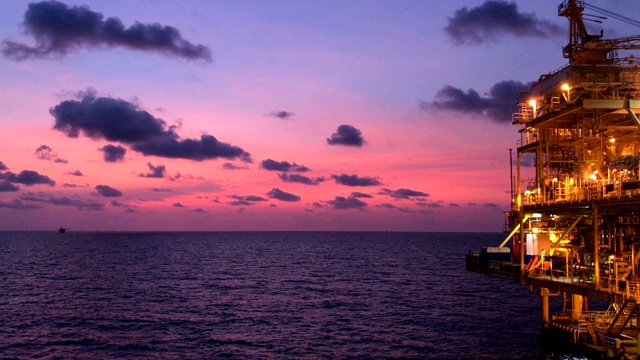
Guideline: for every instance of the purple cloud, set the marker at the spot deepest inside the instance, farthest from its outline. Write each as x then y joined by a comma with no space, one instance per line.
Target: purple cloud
59,29
346,135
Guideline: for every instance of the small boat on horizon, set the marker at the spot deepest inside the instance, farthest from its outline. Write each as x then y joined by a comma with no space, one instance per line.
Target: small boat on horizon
62,230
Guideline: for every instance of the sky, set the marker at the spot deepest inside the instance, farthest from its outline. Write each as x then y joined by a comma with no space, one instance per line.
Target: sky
269,115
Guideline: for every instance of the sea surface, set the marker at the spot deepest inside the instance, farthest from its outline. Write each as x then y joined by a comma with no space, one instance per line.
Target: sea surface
260,295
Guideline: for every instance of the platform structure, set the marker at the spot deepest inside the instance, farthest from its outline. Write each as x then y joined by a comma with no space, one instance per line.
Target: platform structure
574,222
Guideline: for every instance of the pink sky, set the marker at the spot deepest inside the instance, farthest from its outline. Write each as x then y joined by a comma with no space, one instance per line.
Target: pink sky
433,164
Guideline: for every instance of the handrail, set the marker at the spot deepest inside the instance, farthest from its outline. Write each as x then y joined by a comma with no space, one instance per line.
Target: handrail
589,192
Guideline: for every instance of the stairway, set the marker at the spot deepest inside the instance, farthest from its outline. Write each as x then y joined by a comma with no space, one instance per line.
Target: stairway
622,317
592,332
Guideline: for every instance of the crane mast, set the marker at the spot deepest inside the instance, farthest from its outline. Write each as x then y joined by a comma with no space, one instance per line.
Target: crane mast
578,35
585,48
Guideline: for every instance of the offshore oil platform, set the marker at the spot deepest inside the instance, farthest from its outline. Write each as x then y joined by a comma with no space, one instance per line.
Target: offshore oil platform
574,226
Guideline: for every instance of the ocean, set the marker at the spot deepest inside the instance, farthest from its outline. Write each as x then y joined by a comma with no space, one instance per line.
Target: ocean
260,295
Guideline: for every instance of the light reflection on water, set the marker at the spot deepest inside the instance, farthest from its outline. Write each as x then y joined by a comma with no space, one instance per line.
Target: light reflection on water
260,295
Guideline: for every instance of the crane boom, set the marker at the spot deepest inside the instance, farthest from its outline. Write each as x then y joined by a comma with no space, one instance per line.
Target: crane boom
585,48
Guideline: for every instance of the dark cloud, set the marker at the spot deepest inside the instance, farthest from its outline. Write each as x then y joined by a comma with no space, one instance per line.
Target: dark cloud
59,30
454,205
44,152
245,200
387,206
346,135
498,105
278,194
118,204
297,178
68,185
113,153
403,193
200,210
254,198
122,121
108,191
230,166
208,147
178,205
27,177
161,190
437,204
284,115
179,176
356,194
341,203
285,166
3,166
74,173
157,172
485,23
36,197
145,199
17,205
355,180
491,205
6,186
79,204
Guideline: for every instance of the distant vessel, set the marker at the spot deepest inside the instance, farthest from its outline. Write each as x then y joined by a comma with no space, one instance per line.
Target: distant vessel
62,230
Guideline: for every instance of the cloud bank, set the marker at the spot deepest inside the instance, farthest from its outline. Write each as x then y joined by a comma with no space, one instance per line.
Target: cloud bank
485,23
59,29
498,105
79,204
27,177
118,120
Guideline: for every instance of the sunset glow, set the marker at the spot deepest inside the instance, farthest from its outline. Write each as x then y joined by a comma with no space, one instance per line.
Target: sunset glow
253,115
